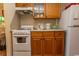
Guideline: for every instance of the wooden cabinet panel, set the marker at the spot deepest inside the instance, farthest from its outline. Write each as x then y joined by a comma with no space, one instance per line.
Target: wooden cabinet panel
19,4
48,47
1,9
24,4
1,6
43,10
59,46
36,47
36,34
39,10
49,43
48,34
53,10
59,33
1,13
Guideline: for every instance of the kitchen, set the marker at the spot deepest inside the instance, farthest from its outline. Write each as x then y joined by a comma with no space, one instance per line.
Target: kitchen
40,22
37,29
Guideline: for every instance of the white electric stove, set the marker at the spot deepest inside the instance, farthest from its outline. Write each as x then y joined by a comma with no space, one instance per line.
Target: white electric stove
21,42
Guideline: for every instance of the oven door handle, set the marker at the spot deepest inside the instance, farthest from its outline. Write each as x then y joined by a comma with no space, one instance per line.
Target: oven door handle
21,35
22,43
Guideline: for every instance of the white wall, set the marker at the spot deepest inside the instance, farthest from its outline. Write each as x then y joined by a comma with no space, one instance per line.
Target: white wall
15,24
9,11
29,20
26,19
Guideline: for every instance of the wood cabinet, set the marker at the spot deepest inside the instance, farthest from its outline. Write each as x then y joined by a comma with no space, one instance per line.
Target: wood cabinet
43,10
37,46
39,10
36,43
49,10
24,4
42,44
59,46
47,43
1,14
1,9
53,10
59,43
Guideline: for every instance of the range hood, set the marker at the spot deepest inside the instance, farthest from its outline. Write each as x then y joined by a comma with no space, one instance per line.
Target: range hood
24,11
23,8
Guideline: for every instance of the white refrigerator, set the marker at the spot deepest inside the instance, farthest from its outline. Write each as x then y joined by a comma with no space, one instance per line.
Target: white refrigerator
70,22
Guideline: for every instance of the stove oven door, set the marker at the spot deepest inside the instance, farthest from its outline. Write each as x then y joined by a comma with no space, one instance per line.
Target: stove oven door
21,43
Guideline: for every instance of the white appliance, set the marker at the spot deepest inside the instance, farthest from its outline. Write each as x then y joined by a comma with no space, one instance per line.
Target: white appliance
70,22
21,42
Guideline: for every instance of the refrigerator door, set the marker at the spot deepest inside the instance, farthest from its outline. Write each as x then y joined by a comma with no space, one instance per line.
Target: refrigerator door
75,15
70,17
72,41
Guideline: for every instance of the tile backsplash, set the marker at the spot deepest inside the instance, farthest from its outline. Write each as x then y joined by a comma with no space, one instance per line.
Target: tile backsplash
53,21
26,20
29,20
21,20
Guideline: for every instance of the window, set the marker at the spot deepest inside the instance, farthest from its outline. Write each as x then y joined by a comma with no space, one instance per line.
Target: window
1,19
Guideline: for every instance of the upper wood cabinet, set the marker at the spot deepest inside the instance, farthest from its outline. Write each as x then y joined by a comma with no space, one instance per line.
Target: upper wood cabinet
53,10
24,4
1,9
39,10
43,10
1,14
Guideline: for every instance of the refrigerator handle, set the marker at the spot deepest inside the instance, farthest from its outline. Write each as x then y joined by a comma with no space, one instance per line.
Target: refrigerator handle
74,26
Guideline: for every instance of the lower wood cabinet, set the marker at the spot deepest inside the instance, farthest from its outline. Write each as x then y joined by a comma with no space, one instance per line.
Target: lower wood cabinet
59,46
36,46
47,45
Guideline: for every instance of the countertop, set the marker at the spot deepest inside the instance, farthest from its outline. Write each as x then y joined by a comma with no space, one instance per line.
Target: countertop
50,30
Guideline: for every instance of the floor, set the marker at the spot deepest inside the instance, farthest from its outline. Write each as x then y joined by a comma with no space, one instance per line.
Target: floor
2,52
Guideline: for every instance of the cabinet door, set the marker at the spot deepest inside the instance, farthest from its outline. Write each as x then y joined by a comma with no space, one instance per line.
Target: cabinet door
53,10
48,47
59,46
1,13
36,47
24,4
39,10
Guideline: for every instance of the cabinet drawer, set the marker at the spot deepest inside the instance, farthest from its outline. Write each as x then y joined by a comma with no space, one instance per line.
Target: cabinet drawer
19,4
48,34
24,4
59,33
36,34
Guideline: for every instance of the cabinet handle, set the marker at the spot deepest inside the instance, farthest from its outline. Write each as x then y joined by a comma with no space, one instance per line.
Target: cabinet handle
46,16
55,38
